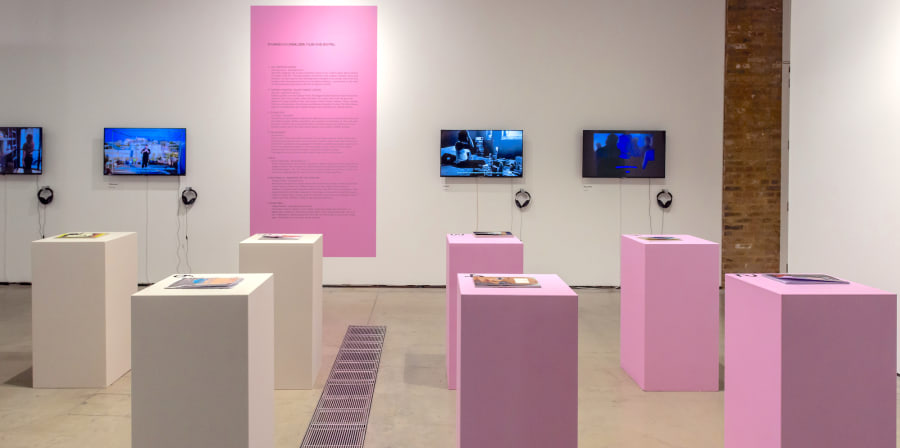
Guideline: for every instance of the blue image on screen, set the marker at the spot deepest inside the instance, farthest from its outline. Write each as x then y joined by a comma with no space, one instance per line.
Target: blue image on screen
624,154
144,151
21,150
481,153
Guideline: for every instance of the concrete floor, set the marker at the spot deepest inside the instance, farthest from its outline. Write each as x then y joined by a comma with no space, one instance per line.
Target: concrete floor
412,407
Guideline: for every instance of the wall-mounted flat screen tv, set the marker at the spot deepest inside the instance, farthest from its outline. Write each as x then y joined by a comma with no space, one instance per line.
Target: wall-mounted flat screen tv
624,154
481,153
21,150
144,151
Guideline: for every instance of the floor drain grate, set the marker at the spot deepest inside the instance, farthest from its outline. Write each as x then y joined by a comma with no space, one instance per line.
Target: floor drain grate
342,414
364,338
339,417
352,403
362,345
359,355
355,365
332,436
352,376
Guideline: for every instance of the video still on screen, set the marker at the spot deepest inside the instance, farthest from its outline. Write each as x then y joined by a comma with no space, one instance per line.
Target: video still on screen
144,151
481,153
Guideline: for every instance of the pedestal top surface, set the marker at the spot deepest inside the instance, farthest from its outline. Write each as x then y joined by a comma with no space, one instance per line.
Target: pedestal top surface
468,238
550,285
682,239
246,287
106,237
306,238
818,289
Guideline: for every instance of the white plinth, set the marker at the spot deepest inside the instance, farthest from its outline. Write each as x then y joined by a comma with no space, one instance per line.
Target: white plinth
81,309
297,265
203,365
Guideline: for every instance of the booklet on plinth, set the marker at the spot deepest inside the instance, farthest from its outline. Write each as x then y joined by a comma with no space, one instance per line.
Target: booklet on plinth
505,282
78,235
806,279
205,283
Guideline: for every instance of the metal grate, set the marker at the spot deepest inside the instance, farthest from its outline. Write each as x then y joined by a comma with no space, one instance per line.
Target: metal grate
364,329
364,337
362,345
333,436
345,403
352,376
340,417
355,365
359,355
349,390
342,414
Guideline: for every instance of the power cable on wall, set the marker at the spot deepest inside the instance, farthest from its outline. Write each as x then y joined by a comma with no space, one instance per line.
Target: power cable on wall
620,206
187,241
662,231
178,244
147,230
521,221
649,205
5,225
511,207
41,212
477,208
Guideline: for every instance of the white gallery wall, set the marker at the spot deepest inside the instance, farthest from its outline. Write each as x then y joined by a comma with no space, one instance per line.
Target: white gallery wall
550,68
844,157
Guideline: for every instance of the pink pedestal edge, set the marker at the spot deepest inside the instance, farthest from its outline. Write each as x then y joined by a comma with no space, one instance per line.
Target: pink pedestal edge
470,254
517,365
809,365
669,327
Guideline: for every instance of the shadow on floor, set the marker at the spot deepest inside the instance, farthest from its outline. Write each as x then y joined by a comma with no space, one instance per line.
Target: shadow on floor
425,370
24,379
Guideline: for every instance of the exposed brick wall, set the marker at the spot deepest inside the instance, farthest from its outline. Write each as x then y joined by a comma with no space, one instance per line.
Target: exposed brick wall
751,174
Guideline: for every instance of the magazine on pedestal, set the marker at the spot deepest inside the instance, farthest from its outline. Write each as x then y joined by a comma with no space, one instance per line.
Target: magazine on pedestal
78,235
498,233
806,279
205,283
505,282
280,236
659,238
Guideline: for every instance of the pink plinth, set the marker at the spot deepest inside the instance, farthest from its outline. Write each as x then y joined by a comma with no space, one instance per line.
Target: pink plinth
468,254
809,365
518,365
669,330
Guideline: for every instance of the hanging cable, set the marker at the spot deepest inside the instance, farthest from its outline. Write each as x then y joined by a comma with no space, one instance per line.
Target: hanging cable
663,230
476,205
147,229
649,204
5,225
511,207
178,228
42,220
620,206
187,241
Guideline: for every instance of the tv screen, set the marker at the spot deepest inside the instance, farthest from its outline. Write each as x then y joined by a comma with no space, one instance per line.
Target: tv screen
481,153
624,154
21,150
144,151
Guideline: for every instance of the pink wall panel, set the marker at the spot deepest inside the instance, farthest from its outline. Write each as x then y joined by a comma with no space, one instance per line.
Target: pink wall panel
313,124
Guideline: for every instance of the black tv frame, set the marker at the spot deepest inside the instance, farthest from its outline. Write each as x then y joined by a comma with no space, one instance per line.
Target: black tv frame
490,177
102,160
591,132
40,161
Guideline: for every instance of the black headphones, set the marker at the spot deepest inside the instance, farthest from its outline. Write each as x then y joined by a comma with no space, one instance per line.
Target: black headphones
522,198
664,199
188,196
45,195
